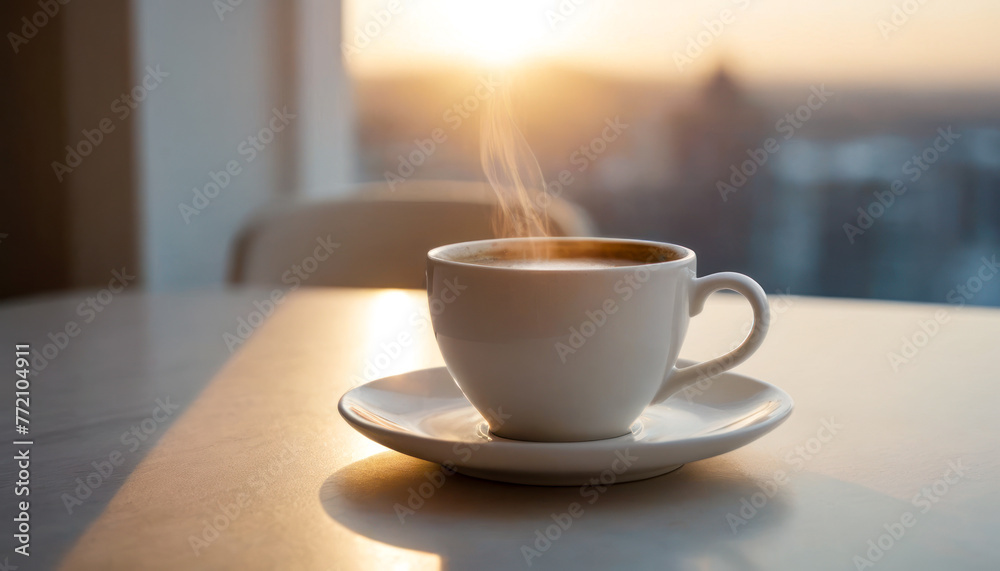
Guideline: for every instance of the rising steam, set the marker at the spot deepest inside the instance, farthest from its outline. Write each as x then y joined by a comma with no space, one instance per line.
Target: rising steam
512,170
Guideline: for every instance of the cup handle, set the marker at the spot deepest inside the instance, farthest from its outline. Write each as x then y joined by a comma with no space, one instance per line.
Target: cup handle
703,287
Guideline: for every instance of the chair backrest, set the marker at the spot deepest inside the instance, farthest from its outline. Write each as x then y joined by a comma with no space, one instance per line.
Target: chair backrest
376,237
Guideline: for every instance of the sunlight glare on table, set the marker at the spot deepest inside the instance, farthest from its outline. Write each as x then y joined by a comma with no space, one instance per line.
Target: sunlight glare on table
393,340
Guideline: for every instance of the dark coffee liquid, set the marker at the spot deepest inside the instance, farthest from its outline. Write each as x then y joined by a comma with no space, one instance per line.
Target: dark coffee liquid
558,263
564,254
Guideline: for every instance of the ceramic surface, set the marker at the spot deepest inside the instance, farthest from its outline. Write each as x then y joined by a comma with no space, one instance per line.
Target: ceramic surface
574,354
425,415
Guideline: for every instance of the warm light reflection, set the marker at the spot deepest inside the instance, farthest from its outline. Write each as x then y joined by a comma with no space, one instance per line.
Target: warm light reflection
370,554
397,339
396,327
389,308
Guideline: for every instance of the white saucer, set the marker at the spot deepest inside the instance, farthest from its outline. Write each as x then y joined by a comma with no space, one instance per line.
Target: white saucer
424,414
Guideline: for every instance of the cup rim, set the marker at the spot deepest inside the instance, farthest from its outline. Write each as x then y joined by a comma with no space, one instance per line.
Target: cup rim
687,254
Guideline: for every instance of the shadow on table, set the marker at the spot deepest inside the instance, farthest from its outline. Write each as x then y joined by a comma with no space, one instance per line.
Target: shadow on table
665,522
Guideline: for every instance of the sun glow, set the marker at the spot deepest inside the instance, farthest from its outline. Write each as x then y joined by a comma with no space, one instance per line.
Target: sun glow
491,33
496,33
778,41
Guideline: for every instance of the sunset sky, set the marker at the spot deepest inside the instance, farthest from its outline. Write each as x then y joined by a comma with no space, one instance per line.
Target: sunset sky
940,44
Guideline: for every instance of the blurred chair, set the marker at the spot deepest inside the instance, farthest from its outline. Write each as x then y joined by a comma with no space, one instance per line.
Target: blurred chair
380,237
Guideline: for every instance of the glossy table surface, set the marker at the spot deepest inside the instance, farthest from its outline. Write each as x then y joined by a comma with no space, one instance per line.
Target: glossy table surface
157,447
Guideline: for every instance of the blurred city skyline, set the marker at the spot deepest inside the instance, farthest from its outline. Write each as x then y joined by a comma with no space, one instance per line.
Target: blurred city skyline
812,212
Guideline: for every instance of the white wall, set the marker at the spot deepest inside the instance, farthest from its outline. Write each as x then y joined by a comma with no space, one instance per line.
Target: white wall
227,76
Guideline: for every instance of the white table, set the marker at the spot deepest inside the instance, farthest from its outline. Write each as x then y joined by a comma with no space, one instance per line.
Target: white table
256,447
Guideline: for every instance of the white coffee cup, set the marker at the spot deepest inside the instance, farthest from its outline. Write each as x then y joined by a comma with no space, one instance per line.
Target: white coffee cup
575,347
